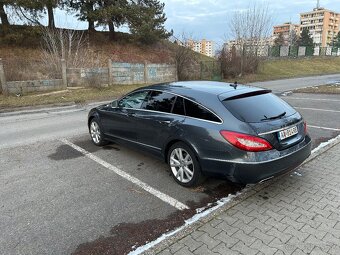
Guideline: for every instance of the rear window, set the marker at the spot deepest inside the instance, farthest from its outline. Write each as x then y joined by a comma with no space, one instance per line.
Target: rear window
258,108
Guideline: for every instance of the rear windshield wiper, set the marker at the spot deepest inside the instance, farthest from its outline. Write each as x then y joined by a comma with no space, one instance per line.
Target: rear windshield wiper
274,117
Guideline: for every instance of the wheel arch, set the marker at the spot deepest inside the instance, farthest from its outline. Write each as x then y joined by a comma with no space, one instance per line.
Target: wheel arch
172,142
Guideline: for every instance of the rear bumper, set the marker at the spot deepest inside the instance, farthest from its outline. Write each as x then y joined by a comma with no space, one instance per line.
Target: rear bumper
262,165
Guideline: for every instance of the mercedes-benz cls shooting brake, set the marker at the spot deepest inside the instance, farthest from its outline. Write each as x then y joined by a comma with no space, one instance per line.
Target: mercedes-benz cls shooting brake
242,133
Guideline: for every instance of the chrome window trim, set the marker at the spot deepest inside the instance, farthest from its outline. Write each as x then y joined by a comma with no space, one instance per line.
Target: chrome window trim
219,123
280,129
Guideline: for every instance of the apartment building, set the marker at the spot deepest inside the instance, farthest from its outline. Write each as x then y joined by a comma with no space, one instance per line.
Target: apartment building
322,24
258,45
204,47
288,30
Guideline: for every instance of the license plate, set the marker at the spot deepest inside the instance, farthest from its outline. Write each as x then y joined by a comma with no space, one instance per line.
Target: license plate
284,134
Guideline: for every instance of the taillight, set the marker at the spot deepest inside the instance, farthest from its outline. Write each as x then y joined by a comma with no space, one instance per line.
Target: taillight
305,127
246,142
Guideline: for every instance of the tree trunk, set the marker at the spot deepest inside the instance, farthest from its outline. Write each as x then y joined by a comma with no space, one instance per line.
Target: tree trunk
112,30
90,20
3,15
91,25
51,23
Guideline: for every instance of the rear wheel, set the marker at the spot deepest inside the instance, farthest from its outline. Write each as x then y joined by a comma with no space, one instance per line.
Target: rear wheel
96,133
184,165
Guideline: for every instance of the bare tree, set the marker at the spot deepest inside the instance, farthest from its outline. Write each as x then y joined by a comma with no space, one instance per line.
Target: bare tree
67,44
185,58
250,30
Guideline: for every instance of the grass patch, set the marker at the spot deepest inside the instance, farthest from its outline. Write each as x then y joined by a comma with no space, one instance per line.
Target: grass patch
322,89
292,68
77,96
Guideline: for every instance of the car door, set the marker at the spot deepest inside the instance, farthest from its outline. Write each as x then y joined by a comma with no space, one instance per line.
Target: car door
120,121
156,121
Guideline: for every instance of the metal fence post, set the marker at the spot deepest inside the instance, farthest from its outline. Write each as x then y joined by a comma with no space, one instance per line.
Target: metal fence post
64,73
3,79
110,71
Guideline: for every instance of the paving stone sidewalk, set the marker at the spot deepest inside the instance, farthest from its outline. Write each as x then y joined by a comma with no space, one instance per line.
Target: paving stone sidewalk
298,214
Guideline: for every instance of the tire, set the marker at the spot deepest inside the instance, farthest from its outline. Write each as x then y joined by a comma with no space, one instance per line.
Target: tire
96,133
184,166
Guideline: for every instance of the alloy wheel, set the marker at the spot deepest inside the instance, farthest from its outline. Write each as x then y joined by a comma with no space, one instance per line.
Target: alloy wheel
95,132
182,165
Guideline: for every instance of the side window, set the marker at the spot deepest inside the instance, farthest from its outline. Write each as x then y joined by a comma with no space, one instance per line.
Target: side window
179,106
196,111
160,101
134,100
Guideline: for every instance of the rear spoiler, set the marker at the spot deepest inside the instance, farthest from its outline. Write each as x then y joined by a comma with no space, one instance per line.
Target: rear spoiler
232,96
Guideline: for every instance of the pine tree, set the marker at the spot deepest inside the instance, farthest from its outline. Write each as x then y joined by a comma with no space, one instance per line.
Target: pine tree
112,13
33,10
146,21
3,14
305,39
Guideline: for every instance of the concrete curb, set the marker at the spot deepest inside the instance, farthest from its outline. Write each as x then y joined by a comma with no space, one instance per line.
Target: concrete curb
247,192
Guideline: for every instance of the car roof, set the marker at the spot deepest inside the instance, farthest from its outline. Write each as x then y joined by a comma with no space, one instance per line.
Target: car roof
203,91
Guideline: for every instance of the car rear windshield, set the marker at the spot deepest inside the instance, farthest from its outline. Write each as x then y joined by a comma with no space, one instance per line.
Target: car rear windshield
258,107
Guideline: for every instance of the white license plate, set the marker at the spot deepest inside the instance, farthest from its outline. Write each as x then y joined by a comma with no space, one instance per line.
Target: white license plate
284,134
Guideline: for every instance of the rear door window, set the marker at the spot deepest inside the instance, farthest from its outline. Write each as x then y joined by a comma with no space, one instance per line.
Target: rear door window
199,112
160,101
258,108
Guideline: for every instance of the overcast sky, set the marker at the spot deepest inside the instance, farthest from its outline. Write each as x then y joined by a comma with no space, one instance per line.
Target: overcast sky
209,18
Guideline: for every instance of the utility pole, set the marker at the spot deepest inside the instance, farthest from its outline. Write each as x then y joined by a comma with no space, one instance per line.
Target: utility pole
317,4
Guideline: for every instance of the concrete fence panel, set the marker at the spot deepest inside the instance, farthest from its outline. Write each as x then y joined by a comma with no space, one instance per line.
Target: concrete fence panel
24,87
87,76
127,73
161,73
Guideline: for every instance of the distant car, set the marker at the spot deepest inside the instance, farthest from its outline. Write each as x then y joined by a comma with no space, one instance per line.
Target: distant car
242,133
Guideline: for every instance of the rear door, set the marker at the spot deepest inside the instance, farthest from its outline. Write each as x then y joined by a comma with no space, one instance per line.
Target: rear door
156,122
269,116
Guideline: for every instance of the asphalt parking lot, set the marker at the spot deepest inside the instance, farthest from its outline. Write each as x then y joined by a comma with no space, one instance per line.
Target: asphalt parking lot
69,196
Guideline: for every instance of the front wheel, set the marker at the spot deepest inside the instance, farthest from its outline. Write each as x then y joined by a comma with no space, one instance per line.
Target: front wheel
184,166
96,134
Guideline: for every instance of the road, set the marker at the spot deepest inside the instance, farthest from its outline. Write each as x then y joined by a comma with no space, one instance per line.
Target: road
280,86
69,196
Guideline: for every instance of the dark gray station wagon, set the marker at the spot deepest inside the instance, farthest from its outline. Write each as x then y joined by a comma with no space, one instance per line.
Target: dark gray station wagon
242,133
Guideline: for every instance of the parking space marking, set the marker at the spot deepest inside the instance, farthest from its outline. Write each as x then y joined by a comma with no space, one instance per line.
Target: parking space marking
326,128
313,99
316,109
170,200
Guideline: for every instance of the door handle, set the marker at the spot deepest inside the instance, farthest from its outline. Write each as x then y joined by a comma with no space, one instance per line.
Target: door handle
131,114
165,121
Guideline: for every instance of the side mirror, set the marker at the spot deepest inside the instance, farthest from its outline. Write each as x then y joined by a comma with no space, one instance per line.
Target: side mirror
114,104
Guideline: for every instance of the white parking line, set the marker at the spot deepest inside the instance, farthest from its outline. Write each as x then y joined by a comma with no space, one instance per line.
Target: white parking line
313,99
316,109
326,128
171,201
